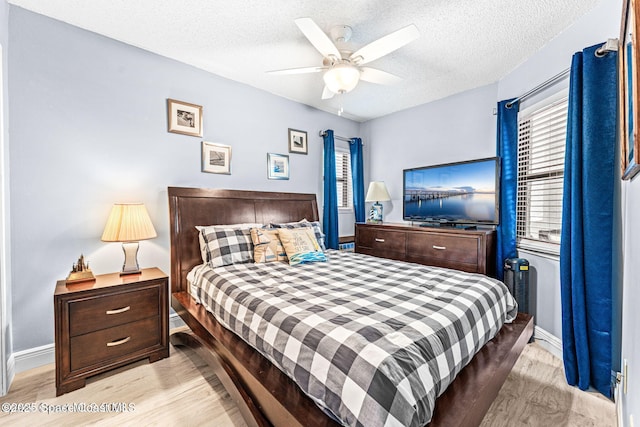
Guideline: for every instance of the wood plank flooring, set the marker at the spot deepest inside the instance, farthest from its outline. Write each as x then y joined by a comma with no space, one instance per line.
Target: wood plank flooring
181,390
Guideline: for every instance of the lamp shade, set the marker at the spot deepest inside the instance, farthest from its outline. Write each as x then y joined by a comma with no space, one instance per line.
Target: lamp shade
377,192
341,78
128,222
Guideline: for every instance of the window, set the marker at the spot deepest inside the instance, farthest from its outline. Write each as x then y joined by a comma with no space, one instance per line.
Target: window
343,179
541,145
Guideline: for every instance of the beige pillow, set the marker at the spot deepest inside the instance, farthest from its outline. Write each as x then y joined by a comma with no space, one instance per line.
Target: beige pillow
301,245
267,246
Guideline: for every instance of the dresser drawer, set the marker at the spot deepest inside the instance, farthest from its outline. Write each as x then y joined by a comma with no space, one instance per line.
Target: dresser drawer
381,241
98,347
461,249
101,312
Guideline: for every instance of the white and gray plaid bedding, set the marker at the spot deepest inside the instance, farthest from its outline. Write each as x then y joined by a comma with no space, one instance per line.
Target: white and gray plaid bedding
373,342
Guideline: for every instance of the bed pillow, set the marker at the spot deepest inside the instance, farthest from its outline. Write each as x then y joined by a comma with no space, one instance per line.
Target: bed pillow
315,225
267,246
301,245
226,244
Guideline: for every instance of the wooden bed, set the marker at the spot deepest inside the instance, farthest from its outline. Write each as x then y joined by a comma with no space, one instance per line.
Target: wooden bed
265,395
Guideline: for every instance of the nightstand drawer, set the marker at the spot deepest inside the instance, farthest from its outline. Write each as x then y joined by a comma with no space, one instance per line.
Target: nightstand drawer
103,312
100,346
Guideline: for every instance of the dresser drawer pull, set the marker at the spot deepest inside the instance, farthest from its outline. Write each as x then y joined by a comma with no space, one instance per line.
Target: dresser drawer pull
119,342
380,240
440,248
119,310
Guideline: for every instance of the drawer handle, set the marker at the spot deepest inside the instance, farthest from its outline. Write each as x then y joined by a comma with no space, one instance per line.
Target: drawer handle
380,240
119,342
440,248
119,310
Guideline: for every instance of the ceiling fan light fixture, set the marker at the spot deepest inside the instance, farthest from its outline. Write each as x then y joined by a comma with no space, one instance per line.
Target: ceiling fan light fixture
342,78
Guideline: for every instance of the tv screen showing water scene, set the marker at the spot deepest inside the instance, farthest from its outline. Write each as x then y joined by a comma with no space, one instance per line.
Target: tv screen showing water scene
456,193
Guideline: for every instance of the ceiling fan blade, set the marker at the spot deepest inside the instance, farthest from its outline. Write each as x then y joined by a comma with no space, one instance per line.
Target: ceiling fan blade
301,70
317,37
326,93
380,77
385,45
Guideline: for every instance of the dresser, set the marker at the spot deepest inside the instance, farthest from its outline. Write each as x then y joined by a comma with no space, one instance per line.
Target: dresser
108,323
467,250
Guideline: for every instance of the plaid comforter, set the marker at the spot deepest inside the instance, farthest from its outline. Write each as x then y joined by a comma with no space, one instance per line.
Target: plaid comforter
373,342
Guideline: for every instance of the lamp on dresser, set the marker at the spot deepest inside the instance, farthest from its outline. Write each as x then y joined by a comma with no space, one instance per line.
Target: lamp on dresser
129,223
377,193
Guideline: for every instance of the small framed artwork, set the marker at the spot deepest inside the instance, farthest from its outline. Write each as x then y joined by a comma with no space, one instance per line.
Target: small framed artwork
216,158
297,141
184,118
277,166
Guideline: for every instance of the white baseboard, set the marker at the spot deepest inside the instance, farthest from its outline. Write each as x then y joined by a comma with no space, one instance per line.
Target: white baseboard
34,357
548,341
44,355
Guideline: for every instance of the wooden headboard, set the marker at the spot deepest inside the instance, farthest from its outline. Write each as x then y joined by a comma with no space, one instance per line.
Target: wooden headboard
189,207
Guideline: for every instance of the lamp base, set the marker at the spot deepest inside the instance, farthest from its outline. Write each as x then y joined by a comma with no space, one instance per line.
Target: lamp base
130,265
375,214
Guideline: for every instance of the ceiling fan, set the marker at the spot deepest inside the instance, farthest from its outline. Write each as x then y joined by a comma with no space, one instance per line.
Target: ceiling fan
343,69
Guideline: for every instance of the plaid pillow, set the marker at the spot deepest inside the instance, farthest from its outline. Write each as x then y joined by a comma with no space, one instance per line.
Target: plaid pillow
317,229
226,244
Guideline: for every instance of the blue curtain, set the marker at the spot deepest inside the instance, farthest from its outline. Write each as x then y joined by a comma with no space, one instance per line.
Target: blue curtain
357,175
330,208
507,150
587,220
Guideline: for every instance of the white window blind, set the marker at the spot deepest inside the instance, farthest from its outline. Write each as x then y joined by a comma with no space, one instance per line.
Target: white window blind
343,179
541,146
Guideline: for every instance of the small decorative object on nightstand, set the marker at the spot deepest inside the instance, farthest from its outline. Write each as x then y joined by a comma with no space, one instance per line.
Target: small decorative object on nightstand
108,323
377,193
80,272
129,223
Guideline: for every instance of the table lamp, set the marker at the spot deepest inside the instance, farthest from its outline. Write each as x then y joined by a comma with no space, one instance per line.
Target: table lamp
377,193
129,223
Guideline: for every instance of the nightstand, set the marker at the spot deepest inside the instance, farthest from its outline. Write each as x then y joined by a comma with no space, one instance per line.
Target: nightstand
108,323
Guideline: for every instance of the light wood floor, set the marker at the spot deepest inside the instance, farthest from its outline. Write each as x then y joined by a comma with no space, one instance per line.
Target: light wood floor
181,390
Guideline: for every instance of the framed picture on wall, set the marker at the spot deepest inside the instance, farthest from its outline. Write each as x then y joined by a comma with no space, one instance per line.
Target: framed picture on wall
277,166
297,141
216,158
184,118
628,91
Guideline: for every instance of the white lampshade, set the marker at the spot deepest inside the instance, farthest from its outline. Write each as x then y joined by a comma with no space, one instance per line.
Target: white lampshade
377,192
128,222
341,78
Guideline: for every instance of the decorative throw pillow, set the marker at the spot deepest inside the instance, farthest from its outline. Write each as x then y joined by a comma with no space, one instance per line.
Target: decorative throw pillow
301,245
226,244
315,225
267,246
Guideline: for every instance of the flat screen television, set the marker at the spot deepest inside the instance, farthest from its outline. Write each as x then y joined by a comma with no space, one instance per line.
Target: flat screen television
453,194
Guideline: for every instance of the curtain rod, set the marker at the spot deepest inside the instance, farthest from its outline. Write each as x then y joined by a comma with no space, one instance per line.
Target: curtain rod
611,45
341,138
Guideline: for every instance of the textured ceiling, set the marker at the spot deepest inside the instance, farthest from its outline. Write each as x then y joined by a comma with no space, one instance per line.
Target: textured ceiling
463,44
